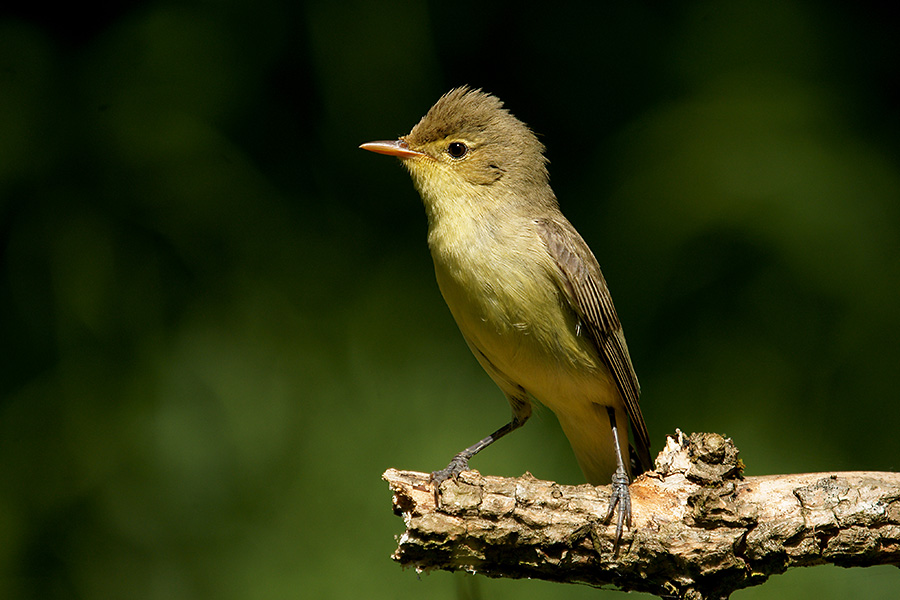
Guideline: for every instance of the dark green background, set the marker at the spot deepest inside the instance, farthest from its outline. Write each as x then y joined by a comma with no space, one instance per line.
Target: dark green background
219,321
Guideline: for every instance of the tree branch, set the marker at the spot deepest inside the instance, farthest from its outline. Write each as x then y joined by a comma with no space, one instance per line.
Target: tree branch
700,529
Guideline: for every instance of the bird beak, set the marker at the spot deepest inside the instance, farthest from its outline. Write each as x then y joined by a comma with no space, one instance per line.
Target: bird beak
398,148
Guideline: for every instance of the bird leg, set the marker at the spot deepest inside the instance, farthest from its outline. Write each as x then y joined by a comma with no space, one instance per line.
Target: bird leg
460,462
620,496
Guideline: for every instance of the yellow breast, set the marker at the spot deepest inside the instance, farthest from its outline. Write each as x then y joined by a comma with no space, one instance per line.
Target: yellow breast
500,287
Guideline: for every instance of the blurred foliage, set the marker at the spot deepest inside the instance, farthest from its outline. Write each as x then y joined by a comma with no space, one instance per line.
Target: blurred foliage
219,321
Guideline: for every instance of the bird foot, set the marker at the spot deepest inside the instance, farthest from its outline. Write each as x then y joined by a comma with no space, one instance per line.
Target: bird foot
619,498
458,464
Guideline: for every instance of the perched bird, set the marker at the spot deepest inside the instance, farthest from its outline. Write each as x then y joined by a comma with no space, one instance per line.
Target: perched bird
523,286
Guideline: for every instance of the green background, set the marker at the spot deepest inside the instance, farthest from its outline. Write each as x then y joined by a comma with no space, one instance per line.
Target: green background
219,321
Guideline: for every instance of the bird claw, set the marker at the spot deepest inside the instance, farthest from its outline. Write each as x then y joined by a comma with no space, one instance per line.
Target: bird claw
458,464
621,498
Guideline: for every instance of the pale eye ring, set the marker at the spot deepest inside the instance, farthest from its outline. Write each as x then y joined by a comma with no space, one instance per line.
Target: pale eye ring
457,150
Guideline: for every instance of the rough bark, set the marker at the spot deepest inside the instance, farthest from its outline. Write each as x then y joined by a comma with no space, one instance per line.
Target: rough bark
700,529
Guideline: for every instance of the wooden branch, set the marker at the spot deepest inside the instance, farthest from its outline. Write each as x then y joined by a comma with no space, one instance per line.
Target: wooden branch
700,529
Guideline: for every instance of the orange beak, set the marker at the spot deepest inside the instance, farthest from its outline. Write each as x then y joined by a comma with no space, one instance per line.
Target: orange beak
398,148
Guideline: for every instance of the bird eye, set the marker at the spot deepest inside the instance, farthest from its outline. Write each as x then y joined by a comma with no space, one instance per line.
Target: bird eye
457,149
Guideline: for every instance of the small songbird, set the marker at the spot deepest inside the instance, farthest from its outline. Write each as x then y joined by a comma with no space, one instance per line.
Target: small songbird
523,286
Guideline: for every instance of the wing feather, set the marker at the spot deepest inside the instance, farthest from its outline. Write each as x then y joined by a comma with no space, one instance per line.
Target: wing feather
585,288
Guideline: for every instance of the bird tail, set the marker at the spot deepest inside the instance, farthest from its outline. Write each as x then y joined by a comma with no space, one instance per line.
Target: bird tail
590,434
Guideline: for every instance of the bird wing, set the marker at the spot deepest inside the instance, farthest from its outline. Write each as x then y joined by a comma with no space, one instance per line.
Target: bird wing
585,288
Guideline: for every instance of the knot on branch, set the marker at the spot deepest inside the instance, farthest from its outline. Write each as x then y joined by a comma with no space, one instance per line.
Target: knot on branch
704,458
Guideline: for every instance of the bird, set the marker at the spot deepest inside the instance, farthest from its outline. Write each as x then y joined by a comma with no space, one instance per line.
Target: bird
524,288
